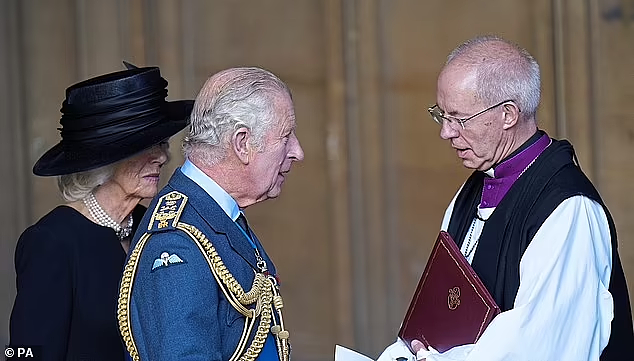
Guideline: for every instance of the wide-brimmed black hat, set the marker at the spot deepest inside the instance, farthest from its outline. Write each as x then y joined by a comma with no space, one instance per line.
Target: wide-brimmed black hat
111,117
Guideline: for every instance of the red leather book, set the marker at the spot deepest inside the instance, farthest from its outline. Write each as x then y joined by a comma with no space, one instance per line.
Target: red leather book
451,306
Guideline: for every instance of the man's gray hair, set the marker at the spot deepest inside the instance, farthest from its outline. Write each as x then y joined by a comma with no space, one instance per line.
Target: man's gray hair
505,71
230,99
76,186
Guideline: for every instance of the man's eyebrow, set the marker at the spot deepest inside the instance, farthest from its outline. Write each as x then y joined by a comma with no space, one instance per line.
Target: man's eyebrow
455,114
444,113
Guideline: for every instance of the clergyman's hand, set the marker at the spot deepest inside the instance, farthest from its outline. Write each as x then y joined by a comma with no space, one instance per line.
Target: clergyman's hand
398,351
417,346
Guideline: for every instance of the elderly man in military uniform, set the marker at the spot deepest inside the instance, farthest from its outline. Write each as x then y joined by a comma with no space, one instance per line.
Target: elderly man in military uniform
198,285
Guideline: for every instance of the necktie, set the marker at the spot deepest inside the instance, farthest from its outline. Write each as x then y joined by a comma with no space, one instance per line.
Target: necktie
242,222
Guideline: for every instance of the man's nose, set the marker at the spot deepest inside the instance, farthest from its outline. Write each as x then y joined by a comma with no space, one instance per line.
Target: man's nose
296,152
448,130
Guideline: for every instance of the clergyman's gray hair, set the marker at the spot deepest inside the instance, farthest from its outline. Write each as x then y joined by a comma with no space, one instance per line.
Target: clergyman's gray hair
230,99
76,186
505,71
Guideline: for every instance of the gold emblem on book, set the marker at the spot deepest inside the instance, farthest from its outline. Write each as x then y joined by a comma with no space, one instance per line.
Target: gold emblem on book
453,300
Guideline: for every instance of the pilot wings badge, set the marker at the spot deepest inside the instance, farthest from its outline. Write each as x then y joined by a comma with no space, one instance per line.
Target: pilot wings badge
165,260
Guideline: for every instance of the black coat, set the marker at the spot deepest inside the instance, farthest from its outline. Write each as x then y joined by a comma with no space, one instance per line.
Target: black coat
68,270
553,178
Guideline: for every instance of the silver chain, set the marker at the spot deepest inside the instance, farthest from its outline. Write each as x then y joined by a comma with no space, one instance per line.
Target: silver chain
103,219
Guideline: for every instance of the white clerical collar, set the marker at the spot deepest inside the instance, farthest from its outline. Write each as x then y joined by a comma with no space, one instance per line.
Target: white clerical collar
224,200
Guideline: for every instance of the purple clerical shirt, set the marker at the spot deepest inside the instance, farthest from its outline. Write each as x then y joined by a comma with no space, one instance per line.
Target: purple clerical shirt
502,176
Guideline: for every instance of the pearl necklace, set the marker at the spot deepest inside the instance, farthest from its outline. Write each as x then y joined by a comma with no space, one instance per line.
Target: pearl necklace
103,219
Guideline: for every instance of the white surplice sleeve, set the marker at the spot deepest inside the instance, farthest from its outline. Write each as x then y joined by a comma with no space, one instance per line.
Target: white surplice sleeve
563,308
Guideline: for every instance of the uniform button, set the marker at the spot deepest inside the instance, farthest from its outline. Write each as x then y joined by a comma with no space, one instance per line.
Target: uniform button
489,186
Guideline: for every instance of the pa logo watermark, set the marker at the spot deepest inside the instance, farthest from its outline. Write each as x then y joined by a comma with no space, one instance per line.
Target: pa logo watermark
14,352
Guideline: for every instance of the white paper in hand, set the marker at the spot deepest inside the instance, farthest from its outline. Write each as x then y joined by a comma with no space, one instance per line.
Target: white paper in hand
346,354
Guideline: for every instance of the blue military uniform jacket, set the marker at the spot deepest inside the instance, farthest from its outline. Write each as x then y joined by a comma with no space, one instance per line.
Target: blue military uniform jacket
171,304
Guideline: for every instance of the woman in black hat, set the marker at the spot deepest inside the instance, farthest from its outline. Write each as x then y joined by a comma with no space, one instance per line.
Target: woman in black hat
114,142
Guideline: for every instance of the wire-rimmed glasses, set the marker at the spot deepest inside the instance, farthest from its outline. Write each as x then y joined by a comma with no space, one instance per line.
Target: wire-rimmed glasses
439,115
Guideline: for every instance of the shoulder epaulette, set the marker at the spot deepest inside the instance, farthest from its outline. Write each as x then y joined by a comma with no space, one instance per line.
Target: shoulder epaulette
167,212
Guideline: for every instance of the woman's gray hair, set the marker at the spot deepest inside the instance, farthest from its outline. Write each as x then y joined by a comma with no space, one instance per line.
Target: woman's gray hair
76,186
505,71
233,98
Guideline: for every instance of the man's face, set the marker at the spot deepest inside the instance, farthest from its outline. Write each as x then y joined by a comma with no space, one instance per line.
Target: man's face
478,144
281,148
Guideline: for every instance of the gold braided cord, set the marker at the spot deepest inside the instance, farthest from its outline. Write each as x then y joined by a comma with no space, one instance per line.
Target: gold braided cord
246,331
125,294
261,333
281,335
263,293
236,292
205,246
250,314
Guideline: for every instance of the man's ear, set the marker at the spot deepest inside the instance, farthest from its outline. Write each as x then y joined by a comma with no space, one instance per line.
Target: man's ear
511,115
240,144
